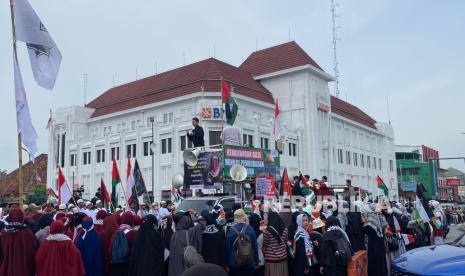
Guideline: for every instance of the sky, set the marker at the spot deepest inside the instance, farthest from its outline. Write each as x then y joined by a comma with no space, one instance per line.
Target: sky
410,52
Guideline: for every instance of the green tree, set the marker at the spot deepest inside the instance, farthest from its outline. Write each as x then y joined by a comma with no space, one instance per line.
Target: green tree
38,195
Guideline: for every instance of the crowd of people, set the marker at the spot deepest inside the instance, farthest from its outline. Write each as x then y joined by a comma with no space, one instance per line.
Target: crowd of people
158,240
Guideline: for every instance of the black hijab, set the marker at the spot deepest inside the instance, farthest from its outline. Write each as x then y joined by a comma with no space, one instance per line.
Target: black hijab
275,225
147,256
254,221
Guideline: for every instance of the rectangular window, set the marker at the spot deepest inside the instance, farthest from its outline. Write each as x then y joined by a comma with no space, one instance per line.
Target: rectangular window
166,145
149,121
380,162
72,160
391,165
131,150
264,143
86,158
247,140
214,137
183,141
133,125
294,149
339,156
115,153
355,159
147,149
369,161
348,157
101,156
374,162
362,160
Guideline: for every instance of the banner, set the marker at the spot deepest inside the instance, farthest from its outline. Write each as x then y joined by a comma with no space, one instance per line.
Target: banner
207,174
264,186
408,186
256,161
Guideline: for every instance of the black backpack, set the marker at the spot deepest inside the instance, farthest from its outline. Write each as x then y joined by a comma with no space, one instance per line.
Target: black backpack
242,248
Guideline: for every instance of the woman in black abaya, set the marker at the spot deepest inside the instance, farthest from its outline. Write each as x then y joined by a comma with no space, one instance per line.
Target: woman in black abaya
374,229
147,256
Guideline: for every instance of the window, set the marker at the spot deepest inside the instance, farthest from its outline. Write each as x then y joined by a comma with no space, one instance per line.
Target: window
264,143
247,140
362,160
147,149
166,145
168,118
86,158
379,160
149,121
131,150
355,159
115,153
369,161
101,156
72,159
133,125
374,162
339,156
214,137
292,149
391,165
348,157
185,141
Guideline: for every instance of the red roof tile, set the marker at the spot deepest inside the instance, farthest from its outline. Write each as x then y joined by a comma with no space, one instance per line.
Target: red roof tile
351,112
33,173
277,58
178,82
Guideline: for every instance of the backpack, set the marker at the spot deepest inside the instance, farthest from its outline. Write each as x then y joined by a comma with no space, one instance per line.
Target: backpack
119,248
242,247
190,256
342,251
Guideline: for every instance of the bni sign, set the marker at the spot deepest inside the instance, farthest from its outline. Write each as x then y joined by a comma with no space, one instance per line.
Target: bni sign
211,113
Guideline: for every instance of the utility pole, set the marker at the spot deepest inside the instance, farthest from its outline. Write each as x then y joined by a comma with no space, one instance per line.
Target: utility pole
334,5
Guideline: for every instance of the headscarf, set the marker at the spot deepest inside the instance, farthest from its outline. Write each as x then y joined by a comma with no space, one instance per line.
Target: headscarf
109,228
127,218
204,269
301,233
87,226
148,251
15,221
184,223
333,224
91,247
57,230
45,220
254,221
210,227
275,226
101,215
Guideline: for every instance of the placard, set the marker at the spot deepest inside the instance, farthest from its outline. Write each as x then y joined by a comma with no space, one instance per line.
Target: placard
264,186
257,161
207,174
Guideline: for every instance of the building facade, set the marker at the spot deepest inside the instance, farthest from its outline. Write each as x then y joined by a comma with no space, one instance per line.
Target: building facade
324,135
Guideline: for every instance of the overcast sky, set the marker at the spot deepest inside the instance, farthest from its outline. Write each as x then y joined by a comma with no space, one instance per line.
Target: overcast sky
409,51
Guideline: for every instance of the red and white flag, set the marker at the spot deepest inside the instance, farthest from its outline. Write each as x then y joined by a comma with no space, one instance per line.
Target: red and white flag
49,122
408,239
129,181
64,194
276,125
103,189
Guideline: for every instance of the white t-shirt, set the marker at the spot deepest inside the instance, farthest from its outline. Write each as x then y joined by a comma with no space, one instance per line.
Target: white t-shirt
232,136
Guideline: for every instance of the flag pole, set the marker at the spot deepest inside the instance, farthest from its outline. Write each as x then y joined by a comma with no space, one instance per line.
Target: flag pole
71,191
20,148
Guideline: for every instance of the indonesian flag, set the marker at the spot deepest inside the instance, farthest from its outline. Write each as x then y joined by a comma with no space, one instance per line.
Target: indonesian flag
103,189
64,194
49,122
408,239
276,126
286,188
129,181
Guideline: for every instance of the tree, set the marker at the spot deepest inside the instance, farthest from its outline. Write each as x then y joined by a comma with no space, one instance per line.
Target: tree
38,195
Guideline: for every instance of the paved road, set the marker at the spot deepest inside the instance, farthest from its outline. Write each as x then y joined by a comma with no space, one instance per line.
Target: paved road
455,231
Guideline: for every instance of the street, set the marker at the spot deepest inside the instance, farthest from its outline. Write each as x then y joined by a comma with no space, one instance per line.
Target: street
455,232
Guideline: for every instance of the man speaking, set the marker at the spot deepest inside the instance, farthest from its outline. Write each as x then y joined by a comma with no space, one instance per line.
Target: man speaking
196,134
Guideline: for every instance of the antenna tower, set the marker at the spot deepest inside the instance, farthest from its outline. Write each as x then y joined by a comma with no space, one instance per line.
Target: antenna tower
334,5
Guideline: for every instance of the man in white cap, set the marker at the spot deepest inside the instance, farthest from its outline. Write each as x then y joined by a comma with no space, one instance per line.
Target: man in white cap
163,211
154,210
98,206
81,205
142,213
89,212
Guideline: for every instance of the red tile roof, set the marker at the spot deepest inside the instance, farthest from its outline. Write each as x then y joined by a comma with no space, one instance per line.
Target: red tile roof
277,58
351,112
179,82
33,173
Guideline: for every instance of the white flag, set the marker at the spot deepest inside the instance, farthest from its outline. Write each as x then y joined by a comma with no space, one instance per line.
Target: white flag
44,55
23,117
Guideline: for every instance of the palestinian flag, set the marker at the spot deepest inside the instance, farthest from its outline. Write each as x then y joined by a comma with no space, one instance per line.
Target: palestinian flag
382,186
115,180
408,239
229,102
436,221
420,212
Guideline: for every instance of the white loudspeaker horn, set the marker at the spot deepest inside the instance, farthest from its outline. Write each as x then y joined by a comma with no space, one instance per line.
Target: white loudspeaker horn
238,173
178,180
190,156
280,145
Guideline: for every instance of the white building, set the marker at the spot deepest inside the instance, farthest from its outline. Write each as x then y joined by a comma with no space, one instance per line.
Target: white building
325,135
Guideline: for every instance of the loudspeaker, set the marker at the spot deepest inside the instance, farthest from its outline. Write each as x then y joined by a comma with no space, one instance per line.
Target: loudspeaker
238,173
190,156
